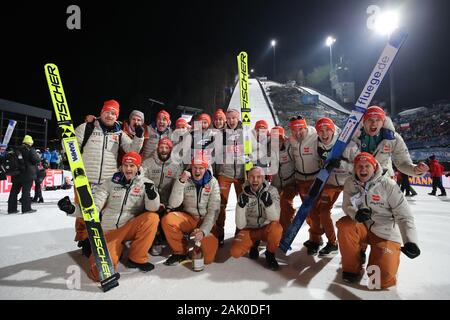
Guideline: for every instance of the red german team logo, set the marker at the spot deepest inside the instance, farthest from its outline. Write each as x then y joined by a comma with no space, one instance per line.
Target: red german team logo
169,173
306,149
136,190
376,197
387,148
207,189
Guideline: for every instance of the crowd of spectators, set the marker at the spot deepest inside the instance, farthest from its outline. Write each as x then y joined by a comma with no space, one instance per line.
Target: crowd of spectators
427,127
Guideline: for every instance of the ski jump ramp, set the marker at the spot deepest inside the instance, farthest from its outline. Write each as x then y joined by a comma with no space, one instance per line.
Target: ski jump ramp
261,110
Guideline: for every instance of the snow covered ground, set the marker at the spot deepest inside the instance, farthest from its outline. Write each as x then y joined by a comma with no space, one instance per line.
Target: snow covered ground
40,260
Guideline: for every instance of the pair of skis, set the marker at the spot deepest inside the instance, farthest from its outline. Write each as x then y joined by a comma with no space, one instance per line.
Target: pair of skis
108,277
380,70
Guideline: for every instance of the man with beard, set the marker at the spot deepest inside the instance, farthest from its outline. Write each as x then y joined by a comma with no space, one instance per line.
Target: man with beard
127,203
157,130
135,127
257,215
163,172
100,141
197,194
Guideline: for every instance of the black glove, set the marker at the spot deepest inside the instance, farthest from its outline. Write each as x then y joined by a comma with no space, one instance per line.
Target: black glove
333,164
65,205
411,250
363,214
139,131
243,200
150,190
266,198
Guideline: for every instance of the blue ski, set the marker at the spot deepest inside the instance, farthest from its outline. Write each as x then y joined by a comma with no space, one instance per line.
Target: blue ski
381,68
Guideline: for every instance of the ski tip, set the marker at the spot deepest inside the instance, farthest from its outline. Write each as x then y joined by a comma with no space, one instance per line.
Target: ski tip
242,53
398,37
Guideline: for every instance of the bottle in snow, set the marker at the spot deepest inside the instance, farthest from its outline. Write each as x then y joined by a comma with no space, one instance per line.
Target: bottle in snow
198,262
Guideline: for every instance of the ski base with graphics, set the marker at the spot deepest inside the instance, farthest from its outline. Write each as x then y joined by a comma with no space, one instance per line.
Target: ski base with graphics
381,68
242,60
108,277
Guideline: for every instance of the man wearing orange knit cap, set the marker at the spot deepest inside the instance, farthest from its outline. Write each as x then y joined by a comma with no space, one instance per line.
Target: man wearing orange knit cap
197,193
100,141
320,219
220,119
127,204
379,215
158,130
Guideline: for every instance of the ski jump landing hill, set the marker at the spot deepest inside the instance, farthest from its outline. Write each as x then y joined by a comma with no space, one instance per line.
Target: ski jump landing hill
264,108
260,104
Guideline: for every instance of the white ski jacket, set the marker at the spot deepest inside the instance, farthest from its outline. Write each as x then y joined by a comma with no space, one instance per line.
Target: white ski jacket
118,202
200,200
102,149
255,214
391,217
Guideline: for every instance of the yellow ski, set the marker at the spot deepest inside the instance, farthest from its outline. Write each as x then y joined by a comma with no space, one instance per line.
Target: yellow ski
108,277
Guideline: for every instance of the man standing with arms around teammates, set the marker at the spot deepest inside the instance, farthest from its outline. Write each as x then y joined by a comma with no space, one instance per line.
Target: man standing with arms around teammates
100,142
232,171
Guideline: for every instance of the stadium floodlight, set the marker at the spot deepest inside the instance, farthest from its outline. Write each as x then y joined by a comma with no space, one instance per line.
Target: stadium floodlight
387,22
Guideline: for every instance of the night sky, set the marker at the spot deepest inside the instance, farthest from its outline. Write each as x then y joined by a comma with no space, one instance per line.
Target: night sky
179,51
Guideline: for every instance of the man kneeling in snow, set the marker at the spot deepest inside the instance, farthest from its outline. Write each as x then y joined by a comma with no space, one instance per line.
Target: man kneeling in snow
378,215
257,215
127,203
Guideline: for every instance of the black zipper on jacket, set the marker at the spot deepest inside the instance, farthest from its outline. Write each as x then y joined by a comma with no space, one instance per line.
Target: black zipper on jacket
161,179
105,137
199,198
123,203
259,209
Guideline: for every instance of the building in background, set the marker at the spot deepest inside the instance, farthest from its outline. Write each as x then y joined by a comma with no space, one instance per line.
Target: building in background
30,120
342,83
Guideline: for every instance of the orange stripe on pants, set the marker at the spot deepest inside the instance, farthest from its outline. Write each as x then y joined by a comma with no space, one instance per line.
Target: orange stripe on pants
245,239
385,254
140,231
287,195
176,224
225,185
320,218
